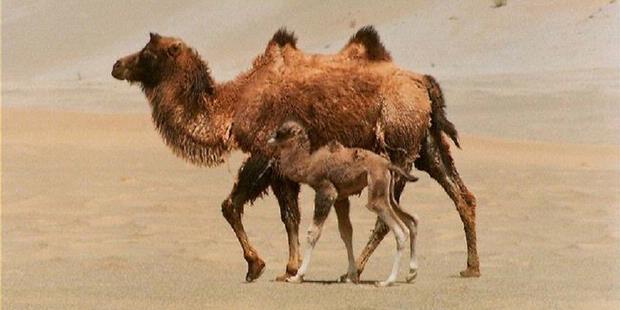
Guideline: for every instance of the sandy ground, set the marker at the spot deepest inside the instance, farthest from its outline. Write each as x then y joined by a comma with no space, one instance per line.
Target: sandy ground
98,214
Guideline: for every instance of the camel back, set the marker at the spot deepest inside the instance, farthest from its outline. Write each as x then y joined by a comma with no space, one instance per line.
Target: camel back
335,99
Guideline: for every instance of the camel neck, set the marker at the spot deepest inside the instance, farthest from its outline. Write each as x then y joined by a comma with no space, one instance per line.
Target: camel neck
193,116
294,162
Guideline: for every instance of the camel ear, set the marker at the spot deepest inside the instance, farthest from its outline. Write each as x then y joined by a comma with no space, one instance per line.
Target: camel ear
174,49
154,36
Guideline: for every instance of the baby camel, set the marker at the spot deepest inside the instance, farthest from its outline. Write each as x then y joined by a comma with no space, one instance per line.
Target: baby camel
335,173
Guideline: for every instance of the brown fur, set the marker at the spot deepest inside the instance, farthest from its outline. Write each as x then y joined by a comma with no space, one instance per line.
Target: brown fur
362,103
346,168
335,173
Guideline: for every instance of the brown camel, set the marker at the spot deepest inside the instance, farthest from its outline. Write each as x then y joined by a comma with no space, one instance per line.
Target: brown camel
335,173
358,97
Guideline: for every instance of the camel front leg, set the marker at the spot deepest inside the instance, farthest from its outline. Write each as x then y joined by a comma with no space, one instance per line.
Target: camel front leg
342,207
323,201
252,182
287,193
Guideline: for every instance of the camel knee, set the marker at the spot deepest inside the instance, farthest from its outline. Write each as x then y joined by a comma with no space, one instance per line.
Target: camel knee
313,235
375,207
229,211
467,212
401,238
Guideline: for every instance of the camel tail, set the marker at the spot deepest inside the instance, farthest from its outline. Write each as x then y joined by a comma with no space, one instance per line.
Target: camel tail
439,121
403,173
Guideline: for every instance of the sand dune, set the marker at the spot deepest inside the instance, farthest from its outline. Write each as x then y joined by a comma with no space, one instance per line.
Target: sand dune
98,214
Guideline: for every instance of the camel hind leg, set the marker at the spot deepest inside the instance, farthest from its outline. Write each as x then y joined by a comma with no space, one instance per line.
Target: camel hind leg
380,230
390,218
435,159
411,221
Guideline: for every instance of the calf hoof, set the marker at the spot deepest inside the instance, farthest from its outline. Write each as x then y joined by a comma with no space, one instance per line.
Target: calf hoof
471,272
255,270
295,279
413,274
384,283
349,278
284,277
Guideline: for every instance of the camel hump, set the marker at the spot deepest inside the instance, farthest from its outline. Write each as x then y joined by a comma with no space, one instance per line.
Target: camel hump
372,48
282,37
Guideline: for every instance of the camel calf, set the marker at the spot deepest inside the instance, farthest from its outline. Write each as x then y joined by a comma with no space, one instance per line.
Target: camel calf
335,173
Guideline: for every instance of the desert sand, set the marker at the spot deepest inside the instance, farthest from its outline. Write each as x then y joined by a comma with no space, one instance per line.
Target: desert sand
98,214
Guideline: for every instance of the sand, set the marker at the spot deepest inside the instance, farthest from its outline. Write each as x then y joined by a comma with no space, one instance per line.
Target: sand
98,214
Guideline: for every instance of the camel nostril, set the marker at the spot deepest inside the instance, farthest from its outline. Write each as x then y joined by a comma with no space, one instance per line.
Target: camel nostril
117,64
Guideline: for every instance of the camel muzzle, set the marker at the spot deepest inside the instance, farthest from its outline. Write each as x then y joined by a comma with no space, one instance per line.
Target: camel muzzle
118,70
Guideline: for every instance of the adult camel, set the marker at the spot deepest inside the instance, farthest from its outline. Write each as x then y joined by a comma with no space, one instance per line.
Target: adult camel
357,96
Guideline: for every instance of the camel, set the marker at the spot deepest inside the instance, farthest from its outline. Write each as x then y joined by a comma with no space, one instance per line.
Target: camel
335,173
357,96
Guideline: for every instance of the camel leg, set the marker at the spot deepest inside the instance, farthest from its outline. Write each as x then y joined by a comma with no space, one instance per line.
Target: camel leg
287,193
323,201
391,220
379,232
342,207
252,181
440,166
411,221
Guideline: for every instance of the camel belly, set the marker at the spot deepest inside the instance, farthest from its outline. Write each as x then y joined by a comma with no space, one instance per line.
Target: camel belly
351,186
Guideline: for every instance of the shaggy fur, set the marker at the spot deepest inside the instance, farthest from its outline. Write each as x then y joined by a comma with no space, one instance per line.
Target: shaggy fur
360,102
335,173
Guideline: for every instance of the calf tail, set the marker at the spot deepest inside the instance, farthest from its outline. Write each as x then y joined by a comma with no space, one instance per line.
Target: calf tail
402,173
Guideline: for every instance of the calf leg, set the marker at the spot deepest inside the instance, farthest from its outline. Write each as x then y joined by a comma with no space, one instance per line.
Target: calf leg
287,193
252,181
342,207
411,221
392,221
324,199
379,232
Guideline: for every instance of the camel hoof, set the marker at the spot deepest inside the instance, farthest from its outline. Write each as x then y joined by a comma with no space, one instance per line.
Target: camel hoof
413,274
295,279
284,277
349,278
384,284
255,270
470,273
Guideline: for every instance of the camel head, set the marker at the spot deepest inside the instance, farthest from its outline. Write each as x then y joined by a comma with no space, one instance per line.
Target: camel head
291,134
159,57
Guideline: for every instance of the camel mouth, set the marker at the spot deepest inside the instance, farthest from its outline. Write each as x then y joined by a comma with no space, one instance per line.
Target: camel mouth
118,75
119,71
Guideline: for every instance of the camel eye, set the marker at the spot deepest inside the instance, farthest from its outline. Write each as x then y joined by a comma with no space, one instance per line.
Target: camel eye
149,55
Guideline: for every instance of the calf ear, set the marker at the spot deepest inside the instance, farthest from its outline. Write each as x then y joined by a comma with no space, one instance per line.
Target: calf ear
174,49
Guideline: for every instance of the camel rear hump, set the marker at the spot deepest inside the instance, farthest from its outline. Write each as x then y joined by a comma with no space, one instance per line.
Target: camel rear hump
366,44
